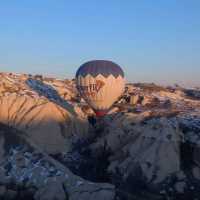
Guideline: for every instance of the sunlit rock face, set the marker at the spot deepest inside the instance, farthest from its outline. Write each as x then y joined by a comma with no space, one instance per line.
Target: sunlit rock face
38,109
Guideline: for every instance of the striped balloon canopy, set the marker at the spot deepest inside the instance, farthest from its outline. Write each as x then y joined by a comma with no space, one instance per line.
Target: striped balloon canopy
100,83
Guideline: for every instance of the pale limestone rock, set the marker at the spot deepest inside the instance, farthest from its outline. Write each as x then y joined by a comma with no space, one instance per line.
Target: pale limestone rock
45,122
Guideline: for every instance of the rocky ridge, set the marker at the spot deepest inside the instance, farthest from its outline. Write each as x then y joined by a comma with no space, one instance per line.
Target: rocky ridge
147,146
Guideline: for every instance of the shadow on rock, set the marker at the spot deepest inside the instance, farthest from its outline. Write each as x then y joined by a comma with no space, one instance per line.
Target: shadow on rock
50,93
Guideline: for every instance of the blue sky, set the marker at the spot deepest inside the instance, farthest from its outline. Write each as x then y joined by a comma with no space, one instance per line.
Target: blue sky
154,41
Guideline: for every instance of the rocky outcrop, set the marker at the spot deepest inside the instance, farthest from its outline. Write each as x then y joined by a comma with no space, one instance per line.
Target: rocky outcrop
25,166
147,145
158,152
36,108
47,123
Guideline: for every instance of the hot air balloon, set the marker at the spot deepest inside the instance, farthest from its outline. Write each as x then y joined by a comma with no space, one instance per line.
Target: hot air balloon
100,83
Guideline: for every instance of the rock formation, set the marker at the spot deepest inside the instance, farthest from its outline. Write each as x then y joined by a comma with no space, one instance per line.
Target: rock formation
51,146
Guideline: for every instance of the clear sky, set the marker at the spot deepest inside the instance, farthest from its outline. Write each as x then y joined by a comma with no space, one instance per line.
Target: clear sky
153,40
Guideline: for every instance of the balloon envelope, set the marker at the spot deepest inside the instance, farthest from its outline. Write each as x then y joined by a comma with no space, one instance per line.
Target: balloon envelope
100,83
